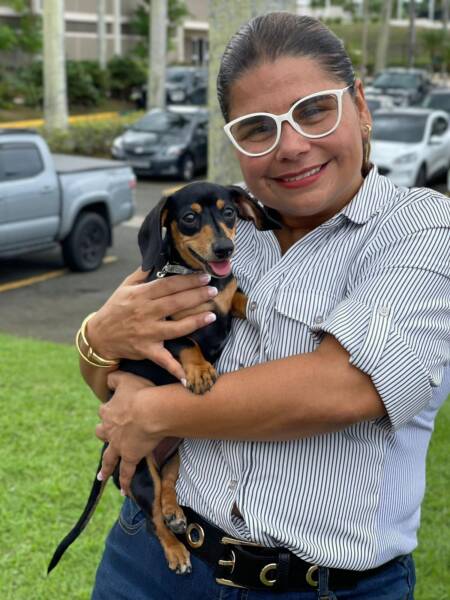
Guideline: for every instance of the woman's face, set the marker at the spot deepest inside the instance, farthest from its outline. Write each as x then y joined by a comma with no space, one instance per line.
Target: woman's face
280,179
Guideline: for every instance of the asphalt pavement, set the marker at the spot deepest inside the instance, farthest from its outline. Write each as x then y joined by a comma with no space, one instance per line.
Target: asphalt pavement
41,299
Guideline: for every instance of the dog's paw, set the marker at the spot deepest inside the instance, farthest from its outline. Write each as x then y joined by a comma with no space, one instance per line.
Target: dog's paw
200,378
178,559
176,521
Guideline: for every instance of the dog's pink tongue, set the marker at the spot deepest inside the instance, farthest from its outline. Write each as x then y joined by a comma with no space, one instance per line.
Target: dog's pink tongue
221,268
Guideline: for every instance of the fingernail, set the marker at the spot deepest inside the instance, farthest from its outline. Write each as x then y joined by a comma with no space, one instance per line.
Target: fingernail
183,382
100,476
212,291
122,492
210,318
205,278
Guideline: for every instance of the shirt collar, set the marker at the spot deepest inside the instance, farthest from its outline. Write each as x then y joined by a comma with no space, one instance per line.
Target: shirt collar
374,193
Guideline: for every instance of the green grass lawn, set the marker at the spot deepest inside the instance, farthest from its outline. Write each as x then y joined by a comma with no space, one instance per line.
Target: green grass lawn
48,458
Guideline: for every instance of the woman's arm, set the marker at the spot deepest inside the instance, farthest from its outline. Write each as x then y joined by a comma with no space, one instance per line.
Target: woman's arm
294,397
132,323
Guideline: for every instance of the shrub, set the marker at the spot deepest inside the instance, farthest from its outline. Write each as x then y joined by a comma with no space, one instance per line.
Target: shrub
125,73
81,89
89,138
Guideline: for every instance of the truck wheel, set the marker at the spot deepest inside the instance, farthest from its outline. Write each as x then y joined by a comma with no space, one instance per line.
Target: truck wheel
85,246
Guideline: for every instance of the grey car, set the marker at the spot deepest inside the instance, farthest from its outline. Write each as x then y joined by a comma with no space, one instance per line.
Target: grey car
172,141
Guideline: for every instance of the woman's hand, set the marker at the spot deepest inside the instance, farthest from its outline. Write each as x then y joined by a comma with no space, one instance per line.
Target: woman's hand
132,322
122,428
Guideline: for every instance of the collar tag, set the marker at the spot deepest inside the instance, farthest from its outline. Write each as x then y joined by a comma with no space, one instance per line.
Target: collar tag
174,270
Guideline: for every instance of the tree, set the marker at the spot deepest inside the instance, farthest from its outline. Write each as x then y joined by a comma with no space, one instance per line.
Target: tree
225,18
28,36
412,33
101,32
157,55
365,38
383,39
55,90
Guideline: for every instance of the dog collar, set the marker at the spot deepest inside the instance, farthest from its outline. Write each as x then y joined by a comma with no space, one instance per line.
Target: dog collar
174,270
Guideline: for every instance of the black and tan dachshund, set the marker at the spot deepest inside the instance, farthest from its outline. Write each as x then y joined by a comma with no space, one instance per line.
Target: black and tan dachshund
191,230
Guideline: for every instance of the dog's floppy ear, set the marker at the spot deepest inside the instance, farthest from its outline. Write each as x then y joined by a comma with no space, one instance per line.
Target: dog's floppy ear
251,210
152,237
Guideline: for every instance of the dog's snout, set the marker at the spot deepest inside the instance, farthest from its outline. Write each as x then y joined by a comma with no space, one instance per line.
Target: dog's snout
223,249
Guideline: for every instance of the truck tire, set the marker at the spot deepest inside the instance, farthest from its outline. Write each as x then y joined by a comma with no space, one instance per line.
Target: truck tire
85,246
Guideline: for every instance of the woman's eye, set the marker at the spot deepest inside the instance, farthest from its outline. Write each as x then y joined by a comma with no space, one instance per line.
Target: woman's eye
189,218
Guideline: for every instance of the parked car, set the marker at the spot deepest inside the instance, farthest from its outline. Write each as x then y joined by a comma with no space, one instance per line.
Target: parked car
411,145
376,102
184,85
439,99
171,141
48,199
406,86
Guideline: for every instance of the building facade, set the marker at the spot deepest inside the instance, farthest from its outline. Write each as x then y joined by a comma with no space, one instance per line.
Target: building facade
81,29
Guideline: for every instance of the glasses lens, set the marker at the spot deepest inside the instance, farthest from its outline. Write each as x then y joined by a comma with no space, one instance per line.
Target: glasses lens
318,115
255,134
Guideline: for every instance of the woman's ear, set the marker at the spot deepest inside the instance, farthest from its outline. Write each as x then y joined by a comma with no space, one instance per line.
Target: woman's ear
360,100
251,210
152,237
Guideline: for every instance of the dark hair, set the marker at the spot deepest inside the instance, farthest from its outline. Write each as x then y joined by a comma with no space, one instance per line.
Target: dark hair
278,34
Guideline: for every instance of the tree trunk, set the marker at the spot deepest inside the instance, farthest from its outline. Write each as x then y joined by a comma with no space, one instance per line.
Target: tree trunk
365,39
118,27
412,33
55,87
156,97
445,10
225,18
383,39
101,32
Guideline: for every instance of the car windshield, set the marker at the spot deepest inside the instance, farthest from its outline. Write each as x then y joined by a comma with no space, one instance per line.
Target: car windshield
440,101
396,80
373,104
177,77
159,122
408,129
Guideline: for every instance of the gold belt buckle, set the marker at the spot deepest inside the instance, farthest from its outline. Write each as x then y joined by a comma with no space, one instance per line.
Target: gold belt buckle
232,562
309,576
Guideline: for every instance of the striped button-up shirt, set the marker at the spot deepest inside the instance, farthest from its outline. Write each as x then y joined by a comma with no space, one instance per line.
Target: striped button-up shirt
376,276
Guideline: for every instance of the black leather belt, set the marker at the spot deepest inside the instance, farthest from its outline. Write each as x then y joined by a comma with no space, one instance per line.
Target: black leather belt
239,563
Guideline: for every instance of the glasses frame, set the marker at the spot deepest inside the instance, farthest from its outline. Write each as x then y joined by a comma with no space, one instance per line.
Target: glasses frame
280,119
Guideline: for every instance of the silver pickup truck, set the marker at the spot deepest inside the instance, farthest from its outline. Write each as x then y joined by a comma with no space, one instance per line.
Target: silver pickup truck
50,199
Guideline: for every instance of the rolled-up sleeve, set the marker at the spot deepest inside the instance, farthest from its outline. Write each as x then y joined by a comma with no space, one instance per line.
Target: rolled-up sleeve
395,322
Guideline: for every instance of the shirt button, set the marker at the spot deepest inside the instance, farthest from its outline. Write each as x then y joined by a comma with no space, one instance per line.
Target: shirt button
383,311
318,320
232,485
253,305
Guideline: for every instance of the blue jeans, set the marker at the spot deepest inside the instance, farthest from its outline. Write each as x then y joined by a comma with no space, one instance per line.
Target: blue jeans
133,567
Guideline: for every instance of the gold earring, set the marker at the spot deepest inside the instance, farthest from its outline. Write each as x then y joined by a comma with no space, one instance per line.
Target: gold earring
366,149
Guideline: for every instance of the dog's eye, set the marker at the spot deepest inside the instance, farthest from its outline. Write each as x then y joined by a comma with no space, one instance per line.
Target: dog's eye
189,218
229,212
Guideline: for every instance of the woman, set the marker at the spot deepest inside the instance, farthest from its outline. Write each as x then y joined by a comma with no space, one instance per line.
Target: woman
312,442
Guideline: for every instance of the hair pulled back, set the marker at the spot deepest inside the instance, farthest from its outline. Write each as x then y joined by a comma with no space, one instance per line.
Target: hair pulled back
280,34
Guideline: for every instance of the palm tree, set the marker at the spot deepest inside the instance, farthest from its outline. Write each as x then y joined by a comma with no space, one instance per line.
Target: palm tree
412,33
225,18
55,86
157,54
383,39
101,32
365,38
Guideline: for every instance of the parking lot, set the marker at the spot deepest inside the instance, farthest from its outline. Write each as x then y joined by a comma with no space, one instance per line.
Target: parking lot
40,298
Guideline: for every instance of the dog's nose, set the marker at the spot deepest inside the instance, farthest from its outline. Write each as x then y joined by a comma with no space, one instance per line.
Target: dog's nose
223,249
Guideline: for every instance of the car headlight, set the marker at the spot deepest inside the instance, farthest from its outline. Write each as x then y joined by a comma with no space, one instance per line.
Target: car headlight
118,143
174,150
406,158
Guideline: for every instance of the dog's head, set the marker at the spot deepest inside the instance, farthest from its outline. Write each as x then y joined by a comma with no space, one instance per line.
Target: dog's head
196,226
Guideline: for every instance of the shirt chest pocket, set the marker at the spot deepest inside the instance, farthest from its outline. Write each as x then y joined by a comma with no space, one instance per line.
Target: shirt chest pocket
300,313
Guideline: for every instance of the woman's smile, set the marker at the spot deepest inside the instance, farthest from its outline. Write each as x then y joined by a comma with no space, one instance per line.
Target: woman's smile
302,178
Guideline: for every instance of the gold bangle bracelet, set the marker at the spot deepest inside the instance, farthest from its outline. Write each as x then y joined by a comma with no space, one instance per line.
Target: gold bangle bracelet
88,353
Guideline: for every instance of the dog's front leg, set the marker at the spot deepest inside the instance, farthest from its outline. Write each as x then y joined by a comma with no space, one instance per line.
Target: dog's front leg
172,512
239,305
